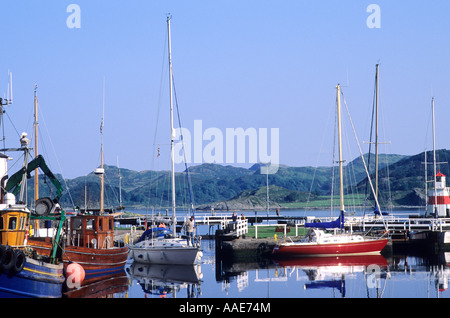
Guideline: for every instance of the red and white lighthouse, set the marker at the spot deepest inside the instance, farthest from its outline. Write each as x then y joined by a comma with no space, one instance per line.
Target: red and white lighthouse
439,198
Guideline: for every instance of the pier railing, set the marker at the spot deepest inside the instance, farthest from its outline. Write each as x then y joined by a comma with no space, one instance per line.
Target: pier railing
391,222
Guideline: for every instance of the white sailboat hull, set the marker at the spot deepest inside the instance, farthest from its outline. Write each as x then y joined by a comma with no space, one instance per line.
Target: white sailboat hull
165,251
165,255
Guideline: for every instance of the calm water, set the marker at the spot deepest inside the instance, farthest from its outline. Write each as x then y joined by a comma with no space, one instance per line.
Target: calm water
400,276
394,276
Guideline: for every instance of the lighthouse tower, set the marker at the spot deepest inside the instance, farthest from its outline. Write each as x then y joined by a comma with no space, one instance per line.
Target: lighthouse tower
439,199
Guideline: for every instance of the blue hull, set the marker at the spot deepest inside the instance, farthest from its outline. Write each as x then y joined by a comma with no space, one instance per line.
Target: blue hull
36,280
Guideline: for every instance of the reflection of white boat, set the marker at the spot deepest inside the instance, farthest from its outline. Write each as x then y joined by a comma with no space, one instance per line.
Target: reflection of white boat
164,279
167,249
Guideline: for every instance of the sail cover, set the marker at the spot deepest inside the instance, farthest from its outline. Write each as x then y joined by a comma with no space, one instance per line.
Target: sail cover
338,223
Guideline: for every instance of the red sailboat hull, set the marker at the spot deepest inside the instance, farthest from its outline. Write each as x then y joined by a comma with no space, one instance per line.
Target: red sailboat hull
327,249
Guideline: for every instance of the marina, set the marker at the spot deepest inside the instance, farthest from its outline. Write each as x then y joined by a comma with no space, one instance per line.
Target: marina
395,273
245,181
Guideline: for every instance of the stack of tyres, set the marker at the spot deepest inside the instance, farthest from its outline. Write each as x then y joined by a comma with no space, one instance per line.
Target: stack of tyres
11,260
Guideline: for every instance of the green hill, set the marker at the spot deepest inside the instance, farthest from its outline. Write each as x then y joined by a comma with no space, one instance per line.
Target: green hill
401,182
212,184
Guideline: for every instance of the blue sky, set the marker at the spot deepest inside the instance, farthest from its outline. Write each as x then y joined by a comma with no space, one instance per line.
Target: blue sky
262,64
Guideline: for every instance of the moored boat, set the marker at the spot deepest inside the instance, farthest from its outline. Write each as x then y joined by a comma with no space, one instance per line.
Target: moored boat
320,243
170,248
89,242
89,237
23,272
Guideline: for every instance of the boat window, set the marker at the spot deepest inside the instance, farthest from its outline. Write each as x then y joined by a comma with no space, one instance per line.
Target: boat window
90,224
21,223
111,224
1,223
12,223
77,223
100,224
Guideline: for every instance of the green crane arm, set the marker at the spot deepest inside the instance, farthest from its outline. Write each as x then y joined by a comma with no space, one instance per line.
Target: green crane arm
38,162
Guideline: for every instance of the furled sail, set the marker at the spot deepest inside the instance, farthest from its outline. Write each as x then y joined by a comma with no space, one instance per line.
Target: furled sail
338,223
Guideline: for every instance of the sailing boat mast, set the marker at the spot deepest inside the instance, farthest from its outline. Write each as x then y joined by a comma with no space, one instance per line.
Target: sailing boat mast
341,174
36,176
376,134
434,159
172,131
101,171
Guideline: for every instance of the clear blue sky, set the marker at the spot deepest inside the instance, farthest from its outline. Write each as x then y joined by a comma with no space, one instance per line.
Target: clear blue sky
262,64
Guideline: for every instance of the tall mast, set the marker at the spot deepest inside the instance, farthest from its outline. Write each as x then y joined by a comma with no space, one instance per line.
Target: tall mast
101,160
172,131
434,159
376,133
36,153
341,174
120,184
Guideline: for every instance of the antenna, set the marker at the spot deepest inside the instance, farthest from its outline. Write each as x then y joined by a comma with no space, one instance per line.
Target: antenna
9,94
10,86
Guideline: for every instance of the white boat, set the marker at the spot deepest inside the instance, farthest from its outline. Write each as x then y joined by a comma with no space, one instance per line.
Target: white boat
160,246
166,247
165,251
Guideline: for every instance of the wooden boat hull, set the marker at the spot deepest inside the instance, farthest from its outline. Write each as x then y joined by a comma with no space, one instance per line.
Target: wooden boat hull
36,280
328,249
96,262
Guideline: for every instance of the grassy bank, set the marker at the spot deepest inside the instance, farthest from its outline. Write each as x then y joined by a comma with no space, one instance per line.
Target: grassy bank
272,230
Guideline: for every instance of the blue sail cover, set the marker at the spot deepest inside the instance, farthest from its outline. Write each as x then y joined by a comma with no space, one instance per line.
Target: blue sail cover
338,223
154,233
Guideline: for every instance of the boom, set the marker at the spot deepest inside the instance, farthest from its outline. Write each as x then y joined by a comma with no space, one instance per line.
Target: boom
14,183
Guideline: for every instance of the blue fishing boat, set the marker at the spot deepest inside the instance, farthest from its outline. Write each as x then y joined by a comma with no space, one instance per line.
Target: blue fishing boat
23,272
37,279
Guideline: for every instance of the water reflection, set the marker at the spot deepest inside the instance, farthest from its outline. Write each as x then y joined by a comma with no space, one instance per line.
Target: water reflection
106,287
167,280
395,275
375,276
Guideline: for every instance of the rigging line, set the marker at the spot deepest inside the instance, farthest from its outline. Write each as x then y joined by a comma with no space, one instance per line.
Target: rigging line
317,159
182,143
333,165
56,157
386,160
362,157
162,74
366,190
158,110
17,132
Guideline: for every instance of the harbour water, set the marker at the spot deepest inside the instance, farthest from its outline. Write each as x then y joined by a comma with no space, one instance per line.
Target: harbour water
396,275
402,276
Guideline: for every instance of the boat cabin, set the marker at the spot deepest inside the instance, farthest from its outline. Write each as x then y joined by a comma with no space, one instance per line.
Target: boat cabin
13,223
93,231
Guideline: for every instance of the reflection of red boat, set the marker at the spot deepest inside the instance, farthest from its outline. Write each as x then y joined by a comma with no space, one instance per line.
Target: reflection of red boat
354,260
